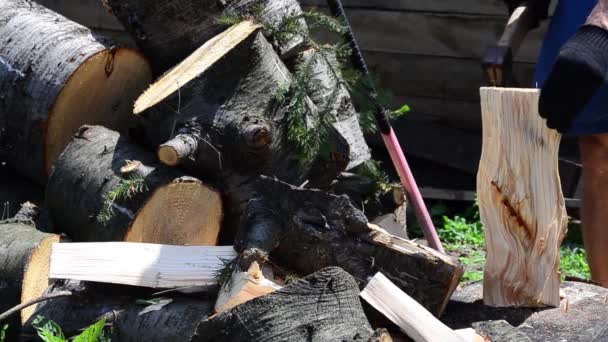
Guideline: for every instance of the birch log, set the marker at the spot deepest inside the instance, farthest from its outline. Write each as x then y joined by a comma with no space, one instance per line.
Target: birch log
24,264
55,76
169,31
520,200
169,208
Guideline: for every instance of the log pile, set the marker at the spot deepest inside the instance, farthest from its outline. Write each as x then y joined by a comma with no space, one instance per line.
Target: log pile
201,188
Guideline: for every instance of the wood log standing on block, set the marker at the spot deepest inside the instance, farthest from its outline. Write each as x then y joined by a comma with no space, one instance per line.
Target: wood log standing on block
520,200
307,230
24,266
169,31
321,307
104,188
126,310
55,76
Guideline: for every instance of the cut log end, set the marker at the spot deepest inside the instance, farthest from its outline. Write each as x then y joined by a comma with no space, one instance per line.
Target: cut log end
195,219
177,150
36,276
112,78
194,65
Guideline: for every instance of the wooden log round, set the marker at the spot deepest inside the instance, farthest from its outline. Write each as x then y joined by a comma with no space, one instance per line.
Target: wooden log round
324,306
175,321
306,230
24,265
171,208
520,200
169,31
55,76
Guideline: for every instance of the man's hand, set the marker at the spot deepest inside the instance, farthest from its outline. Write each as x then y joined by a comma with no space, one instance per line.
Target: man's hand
578,72
540,9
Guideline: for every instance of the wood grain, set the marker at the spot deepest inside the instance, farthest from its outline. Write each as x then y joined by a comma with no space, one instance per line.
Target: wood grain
520,200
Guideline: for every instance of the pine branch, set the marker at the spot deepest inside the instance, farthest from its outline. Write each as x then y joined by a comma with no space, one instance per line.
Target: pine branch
126,189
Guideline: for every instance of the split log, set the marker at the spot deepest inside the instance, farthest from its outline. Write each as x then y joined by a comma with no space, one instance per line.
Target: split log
169,208
124,312
140,264
307,230
24,265
55,76
520,201
243,287
169,31
321,307
404,311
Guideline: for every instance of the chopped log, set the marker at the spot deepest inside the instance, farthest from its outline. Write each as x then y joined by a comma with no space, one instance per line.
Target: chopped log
307,230
129,318
164,205
139,264
24,265
231,127
401,309
243,287
55,76
321,307
520,200
169,31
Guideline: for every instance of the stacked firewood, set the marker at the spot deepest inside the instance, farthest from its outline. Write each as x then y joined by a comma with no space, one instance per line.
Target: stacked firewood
228,128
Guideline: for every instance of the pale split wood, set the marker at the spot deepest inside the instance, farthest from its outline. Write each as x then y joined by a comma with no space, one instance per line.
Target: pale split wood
520,199
405,312
243,287
199,61
139,264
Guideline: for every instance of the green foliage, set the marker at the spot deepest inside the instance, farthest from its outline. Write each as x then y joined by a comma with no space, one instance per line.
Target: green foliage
372,169
126,189
3,332
51,332
574,262
223,276
458,232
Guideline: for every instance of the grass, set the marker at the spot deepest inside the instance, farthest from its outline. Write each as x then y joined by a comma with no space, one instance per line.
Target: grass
462,235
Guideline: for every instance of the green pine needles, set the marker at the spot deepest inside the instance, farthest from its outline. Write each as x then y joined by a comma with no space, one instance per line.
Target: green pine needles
126,189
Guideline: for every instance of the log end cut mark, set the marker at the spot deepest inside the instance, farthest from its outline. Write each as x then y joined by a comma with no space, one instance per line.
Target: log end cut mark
93,95
36,276
183,212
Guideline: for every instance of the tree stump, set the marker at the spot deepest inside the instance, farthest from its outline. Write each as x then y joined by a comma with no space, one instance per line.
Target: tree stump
24,265
165,206
121,306
169,31
321,307
520,201
55,76
307,230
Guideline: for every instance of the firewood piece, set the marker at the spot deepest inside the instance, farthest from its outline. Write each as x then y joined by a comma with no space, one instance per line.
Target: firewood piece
520,200
404,311
243,287
55,76
123,309
139,264
307,230
321,307
169,31
24,265
170,209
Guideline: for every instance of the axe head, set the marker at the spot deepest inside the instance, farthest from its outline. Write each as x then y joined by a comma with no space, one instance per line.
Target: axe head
497,65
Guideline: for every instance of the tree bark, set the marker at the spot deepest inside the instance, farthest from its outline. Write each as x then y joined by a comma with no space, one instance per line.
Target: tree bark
520,201
175,321
24,266
307,230
171,209
55,76
321,307
169,31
